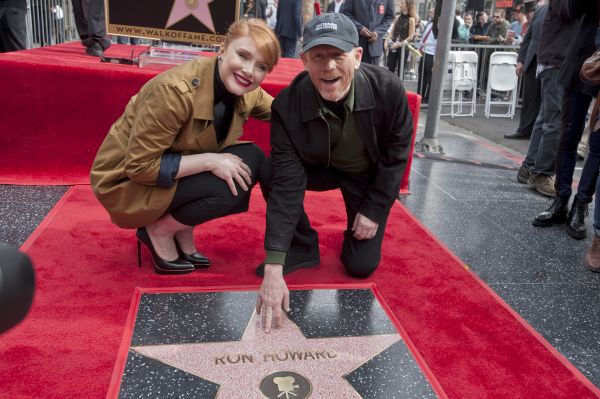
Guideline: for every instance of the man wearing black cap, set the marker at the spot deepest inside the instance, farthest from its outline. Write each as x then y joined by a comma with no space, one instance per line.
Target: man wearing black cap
341,124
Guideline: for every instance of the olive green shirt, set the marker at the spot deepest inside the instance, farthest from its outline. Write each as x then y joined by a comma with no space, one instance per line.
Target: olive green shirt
348,154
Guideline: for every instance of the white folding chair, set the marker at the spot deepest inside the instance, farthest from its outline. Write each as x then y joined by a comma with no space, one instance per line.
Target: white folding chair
503,78
464,79
461,77
447,87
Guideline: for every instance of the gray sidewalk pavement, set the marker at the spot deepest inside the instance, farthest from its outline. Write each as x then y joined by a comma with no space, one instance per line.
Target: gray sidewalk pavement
489,129
492,129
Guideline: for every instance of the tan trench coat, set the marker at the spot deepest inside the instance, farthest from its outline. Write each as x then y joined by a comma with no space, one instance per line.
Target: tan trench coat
173,112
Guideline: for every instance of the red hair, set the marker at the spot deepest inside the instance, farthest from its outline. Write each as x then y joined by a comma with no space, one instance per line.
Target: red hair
264,37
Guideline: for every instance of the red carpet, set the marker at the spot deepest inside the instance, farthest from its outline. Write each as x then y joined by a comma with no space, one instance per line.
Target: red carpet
58,105
86,274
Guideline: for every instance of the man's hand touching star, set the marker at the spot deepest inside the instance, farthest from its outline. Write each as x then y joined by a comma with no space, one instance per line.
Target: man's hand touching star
273,297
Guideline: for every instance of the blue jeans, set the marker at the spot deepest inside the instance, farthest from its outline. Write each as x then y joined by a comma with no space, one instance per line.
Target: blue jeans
575,107
546,130
128,40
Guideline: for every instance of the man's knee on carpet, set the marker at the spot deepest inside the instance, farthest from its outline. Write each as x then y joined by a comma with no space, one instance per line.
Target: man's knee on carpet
360,266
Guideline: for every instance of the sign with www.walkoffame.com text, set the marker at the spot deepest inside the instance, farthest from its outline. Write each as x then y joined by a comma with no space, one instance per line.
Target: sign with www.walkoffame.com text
188,21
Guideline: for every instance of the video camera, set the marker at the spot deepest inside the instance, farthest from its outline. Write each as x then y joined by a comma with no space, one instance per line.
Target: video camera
17,285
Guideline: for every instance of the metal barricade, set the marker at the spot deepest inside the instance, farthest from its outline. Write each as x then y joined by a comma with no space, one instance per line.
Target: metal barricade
49,22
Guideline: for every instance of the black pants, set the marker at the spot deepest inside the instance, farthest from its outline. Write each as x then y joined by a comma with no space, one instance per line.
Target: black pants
367,59
204,196
13,33
532,99
90,22
425,70
575,106
288,47
359,257
393,60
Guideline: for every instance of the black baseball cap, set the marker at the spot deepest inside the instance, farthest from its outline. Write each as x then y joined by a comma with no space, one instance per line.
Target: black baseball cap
332,29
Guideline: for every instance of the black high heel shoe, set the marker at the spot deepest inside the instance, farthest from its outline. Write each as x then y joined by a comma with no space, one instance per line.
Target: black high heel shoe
196,259
177,266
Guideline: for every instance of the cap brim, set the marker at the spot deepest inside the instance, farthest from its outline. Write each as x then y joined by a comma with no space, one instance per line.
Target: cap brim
343,45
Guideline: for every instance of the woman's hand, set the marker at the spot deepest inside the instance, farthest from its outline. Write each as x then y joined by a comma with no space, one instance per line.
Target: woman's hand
232,169
396,45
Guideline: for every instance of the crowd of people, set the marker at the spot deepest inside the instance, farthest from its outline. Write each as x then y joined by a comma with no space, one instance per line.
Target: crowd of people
563,34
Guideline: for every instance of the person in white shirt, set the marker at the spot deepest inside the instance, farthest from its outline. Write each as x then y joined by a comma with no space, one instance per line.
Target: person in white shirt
427,47
59,23
335,6
271,13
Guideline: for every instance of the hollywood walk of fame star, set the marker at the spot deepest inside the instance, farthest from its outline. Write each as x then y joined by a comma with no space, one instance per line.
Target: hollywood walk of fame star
239,377
197,8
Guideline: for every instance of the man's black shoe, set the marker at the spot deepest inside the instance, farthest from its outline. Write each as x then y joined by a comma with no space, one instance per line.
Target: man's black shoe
295,260
95,50
556,214
576,220
517,136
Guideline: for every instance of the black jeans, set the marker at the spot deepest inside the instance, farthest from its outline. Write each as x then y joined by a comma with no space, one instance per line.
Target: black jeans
425,69
575,106
204,196
359,257
13,32
532,100
89,20
288,47
393,60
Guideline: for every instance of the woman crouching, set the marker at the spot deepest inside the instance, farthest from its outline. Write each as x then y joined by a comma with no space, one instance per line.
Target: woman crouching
173,161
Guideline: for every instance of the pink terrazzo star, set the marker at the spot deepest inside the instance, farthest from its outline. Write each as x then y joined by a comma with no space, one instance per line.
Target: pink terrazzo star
239,366
197,8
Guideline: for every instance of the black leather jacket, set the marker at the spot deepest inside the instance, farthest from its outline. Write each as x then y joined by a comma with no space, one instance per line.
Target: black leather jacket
557,32
582,45
300,137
